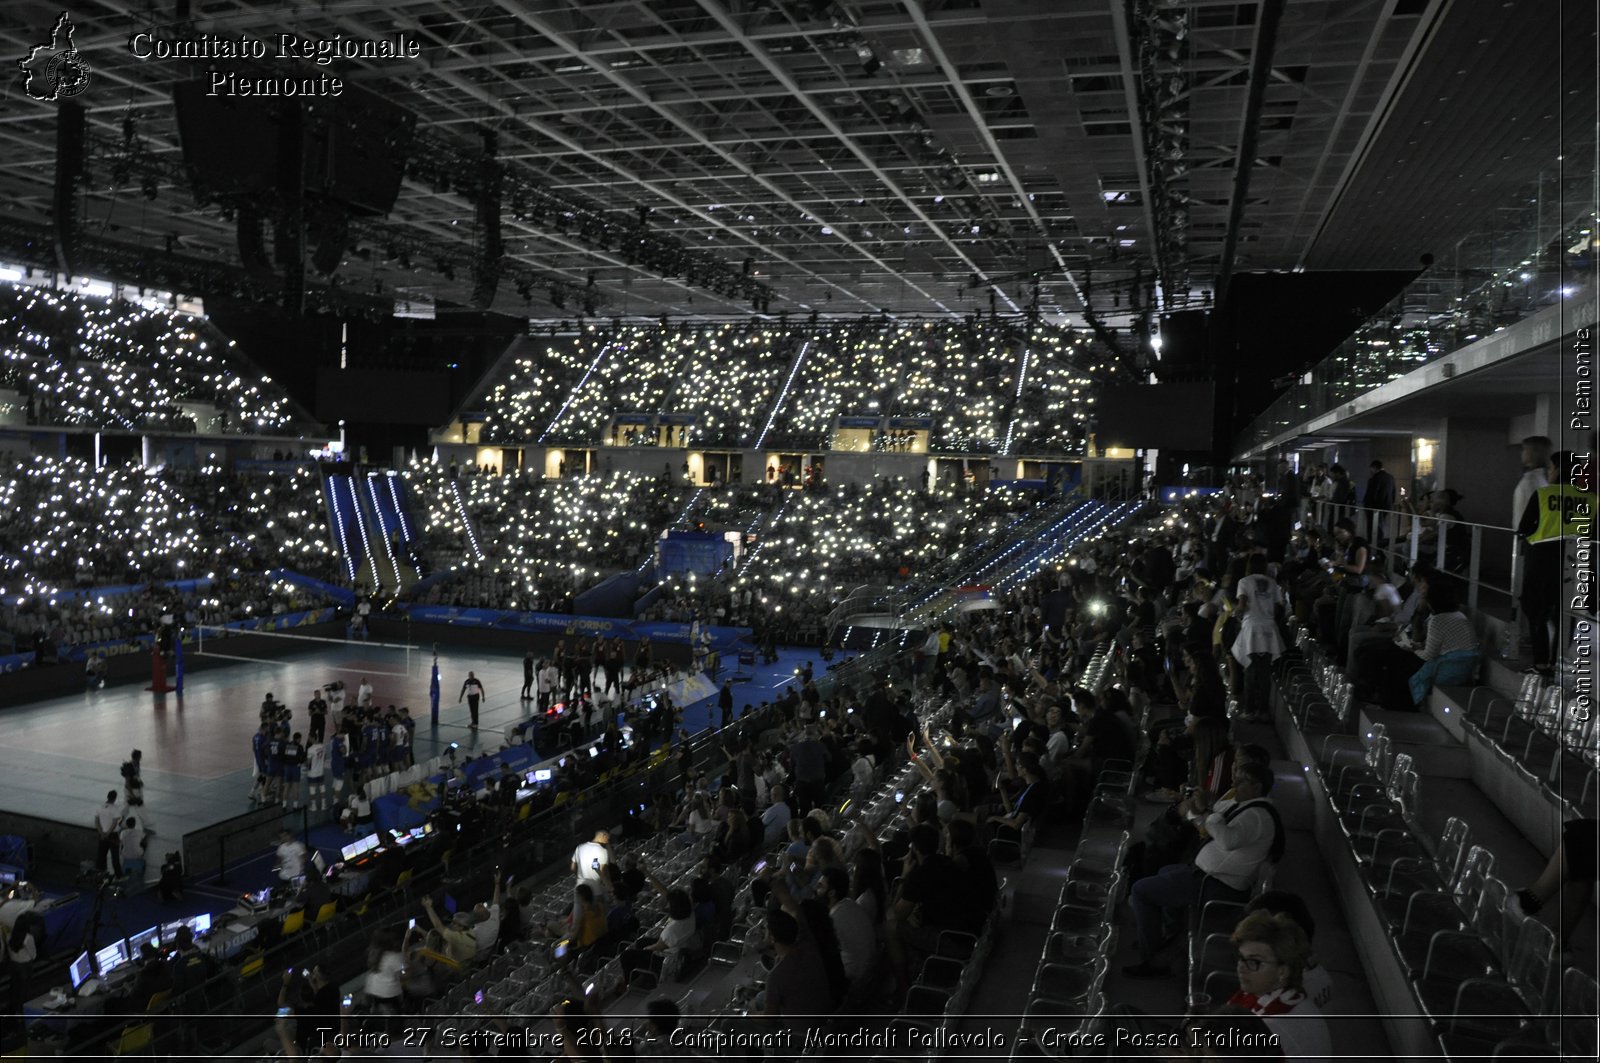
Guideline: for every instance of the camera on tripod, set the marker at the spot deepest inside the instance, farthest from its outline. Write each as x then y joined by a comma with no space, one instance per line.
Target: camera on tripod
98,879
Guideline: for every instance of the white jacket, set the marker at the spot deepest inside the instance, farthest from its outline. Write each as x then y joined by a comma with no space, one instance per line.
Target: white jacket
1238,846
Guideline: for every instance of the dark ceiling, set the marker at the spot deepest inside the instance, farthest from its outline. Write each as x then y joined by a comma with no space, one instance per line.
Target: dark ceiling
851,156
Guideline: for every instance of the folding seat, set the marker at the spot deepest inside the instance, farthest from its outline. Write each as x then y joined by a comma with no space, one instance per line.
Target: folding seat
1396,816
1404,870
1066,987
1429,913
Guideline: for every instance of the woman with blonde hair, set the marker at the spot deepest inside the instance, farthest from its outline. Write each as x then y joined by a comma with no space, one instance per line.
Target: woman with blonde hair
1271,963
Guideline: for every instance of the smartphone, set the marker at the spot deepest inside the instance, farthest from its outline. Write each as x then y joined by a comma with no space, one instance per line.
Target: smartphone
762,866
349,999
477,998
413,924
899,796
305,972
284,1013
561,951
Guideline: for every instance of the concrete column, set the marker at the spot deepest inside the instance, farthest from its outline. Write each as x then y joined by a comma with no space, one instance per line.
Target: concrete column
1476,459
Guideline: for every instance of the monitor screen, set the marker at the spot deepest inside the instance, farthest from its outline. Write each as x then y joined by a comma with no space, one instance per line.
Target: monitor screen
111,957
320,862
198,925
263,897
418,833
543,775
81,970
137,942
359,846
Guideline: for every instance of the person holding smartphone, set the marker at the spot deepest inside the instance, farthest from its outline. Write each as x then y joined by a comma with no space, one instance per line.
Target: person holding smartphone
310,999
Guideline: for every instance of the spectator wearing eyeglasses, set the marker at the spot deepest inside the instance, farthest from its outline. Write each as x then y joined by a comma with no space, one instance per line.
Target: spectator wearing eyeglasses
1273,952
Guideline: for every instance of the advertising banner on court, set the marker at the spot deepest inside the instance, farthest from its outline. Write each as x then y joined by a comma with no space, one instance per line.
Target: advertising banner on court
568,626
15,662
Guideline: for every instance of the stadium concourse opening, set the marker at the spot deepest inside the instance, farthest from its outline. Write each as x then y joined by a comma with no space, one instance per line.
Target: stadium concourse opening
881,529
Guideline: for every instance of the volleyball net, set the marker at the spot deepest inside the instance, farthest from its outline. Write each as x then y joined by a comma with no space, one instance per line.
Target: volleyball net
399,660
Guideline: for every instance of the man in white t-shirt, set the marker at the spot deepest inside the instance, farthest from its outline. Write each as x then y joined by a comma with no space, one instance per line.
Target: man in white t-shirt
364,694
549,676
590,859
316,776
108,822
399,739
852,927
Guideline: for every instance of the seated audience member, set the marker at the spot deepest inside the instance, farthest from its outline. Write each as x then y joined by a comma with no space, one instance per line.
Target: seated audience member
511,919
155,976
775,820
679,933
928,902
1030,796
1570,876
1386,674
486,922
797,988
1242,834
459,943
1273,952
662,1020
976,884
1314,978
192,965
1386,623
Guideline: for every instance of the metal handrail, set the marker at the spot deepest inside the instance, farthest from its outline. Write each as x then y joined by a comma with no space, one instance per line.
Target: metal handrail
1407,547
1369,519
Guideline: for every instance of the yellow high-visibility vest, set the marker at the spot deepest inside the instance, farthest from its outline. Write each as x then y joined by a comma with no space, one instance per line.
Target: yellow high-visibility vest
1565,512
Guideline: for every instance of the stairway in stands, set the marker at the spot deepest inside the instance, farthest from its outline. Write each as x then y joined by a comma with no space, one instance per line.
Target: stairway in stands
996,565
338,493
1014,554
392,530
